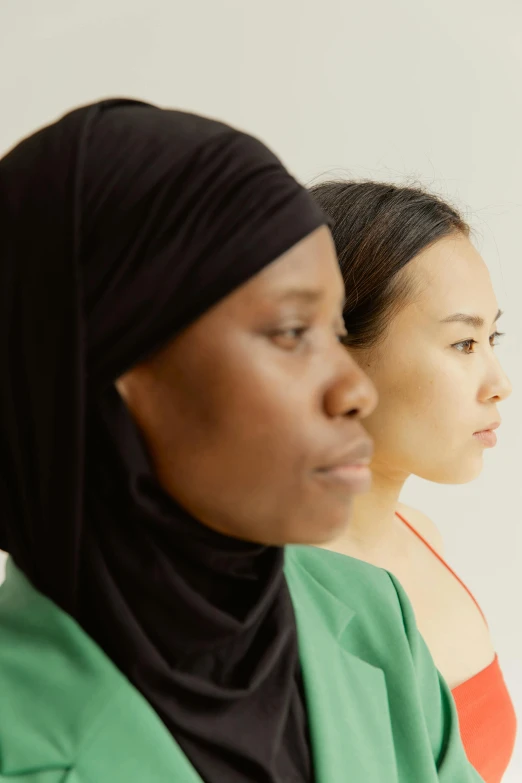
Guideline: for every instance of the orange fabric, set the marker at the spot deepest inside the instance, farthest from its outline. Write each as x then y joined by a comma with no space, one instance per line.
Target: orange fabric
488,723
487,719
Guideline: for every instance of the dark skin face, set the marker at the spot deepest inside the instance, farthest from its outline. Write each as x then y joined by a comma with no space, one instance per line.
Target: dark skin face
252,414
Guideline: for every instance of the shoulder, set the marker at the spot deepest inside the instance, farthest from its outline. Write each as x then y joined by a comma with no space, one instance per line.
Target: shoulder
46,659
371,619
369,592
333,590
333,568
423,525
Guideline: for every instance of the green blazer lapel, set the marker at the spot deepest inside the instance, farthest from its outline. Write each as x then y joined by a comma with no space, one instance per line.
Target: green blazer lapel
350,732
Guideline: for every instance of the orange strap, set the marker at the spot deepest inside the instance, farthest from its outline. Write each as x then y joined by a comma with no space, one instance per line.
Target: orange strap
441,559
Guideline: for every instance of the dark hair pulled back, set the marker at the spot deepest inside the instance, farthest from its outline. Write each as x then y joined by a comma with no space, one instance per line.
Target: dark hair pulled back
377,229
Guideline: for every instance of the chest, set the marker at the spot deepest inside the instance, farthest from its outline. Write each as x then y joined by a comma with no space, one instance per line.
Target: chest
448,617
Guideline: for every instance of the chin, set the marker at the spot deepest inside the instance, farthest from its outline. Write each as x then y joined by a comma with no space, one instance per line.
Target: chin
316,532
461,473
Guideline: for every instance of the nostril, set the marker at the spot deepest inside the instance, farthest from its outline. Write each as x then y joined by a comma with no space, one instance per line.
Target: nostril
353,413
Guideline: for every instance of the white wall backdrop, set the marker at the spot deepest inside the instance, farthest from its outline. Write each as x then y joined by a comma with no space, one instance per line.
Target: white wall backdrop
396,90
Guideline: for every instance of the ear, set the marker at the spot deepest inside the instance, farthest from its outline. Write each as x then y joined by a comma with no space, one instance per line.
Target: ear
134,388
122,389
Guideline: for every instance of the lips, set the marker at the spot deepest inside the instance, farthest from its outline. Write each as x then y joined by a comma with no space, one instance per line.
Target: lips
488,437
351,469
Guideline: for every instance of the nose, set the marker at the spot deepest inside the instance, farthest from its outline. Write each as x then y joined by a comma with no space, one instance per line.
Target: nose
497,386
351,392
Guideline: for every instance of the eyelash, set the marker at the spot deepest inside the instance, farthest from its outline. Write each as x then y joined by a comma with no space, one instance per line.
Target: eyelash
297,333
493,341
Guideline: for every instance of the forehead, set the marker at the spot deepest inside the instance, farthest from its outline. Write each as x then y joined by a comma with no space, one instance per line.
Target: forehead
452,277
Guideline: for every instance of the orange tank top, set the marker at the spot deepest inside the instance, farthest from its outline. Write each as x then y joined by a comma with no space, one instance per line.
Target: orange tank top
486,714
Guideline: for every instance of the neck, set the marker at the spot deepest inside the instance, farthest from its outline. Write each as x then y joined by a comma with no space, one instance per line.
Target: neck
373,524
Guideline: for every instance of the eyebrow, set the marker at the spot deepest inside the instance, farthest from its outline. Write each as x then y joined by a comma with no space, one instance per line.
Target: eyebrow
471,320
310,295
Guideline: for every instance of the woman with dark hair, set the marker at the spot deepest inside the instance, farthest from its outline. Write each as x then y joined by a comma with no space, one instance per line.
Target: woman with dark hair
175,408
422,321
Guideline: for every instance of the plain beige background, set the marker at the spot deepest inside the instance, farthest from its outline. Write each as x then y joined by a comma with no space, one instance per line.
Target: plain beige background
395,90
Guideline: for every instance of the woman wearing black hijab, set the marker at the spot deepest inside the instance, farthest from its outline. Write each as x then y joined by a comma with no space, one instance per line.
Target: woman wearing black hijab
175,408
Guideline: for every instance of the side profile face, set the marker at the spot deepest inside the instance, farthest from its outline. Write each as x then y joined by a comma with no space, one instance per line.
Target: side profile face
436,372
252,414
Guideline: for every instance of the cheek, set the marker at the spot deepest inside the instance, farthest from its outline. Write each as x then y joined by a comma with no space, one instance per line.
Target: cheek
237,458
423,424
415,406
239,421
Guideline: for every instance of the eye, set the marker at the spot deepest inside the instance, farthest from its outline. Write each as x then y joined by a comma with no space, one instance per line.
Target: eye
466,346
289,339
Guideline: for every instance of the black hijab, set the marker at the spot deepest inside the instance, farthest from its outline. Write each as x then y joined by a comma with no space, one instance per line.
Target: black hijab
119,226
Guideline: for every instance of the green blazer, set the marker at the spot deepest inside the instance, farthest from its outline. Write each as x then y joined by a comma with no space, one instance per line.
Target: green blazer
378,710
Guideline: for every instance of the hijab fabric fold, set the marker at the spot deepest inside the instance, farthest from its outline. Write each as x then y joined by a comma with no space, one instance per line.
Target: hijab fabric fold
120,225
